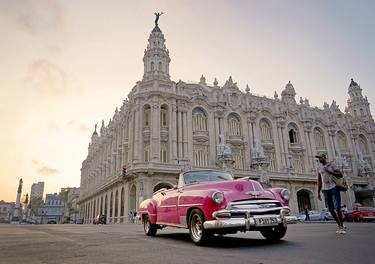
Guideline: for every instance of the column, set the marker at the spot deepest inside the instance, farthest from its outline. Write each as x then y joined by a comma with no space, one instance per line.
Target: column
185,131
173,134
179,130
155,132
136,154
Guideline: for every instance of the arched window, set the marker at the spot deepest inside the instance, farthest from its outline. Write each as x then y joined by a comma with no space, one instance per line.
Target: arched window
362,113
160,66
319,139
342,143
265,130
234,125
199,119
164,116
146,116
293,133
122,202
152,66
363,146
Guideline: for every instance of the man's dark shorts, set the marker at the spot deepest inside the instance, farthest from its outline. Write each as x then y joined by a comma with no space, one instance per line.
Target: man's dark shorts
332,198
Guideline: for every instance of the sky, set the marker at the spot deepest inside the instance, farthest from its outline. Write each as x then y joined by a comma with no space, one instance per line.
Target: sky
66,65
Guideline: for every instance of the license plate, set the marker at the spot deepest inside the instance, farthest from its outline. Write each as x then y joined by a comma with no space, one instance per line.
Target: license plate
266,221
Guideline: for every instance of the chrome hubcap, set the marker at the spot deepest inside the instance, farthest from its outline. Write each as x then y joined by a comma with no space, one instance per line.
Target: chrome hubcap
196,227
147,225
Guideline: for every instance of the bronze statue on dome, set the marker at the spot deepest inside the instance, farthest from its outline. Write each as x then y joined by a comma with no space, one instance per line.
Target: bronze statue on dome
157,18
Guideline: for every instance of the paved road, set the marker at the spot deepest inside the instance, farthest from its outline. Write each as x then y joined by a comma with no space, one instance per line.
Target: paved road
304,243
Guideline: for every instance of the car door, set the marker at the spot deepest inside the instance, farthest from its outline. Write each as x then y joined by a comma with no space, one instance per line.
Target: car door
167,209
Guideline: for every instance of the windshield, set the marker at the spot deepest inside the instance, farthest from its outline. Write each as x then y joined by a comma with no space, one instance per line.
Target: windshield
194,177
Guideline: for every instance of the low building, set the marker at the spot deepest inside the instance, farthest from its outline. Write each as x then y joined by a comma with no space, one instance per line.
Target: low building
6,211
71,209
53,209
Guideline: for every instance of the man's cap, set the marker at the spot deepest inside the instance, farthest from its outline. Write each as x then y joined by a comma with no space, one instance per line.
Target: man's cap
321,156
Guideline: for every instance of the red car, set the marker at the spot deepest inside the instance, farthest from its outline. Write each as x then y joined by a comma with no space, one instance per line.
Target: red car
209,202
363,213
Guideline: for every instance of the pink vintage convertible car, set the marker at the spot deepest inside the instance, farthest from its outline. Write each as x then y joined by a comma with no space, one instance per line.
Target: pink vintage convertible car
209,202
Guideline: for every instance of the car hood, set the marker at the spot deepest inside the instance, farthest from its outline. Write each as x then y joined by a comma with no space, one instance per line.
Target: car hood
235,190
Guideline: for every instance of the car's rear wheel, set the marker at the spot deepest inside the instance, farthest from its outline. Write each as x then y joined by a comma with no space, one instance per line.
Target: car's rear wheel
274,233
150,229
197,232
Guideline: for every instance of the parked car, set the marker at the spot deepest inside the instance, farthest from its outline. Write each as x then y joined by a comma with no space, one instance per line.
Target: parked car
100,219
313,215
326,215
209,202
51,222
363,213
79,221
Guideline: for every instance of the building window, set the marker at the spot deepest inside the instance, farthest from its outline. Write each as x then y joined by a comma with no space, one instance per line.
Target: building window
234,125
160,66
292,136
146,155
265,131
341,140
163,156
272,161
146,116
116,203
319,139
238,158
152,66
163,116
200,156
199,120
298,165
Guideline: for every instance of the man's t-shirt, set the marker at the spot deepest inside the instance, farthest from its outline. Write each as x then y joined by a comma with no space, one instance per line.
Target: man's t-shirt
327,182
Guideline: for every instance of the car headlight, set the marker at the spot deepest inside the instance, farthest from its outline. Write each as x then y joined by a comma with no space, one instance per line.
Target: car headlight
218,197
285,194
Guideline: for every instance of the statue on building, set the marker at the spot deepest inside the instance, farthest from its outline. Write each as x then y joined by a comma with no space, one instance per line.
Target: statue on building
157,18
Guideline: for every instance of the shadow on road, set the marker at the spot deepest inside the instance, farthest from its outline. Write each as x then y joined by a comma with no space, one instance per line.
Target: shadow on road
225,241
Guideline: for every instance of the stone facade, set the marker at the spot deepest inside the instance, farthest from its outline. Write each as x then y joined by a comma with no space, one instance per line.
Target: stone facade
6,211
164,127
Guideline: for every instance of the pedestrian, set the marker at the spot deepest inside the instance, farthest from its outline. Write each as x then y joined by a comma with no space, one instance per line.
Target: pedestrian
130,217
330,190
307,218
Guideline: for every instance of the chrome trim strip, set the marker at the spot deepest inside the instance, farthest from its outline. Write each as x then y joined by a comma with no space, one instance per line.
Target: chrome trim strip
171,224
168,206
184,205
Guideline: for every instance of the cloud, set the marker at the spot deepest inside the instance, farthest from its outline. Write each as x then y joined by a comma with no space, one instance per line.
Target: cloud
46,78
52,125
84,128
46,171
35,17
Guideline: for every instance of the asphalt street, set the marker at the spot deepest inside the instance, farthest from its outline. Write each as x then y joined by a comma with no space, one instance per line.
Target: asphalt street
304,243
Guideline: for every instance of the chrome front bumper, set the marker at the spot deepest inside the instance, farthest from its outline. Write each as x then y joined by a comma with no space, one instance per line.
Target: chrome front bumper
249,220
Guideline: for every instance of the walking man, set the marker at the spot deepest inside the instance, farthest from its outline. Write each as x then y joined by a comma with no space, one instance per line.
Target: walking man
330,191
307,218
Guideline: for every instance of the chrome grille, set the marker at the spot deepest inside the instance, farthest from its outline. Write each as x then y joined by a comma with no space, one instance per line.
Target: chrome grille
254,206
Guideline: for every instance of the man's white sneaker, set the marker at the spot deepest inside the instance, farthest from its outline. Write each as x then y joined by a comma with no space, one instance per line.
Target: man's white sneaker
342,231
338,231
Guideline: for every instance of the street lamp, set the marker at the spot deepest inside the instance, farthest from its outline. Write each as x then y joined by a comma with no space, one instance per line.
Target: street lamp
259,160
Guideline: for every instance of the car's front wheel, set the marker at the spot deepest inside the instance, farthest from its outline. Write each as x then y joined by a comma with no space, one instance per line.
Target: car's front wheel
274,233
150,229
197,232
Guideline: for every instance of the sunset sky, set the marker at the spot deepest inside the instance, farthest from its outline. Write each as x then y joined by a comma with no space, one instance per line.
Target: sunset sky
66,65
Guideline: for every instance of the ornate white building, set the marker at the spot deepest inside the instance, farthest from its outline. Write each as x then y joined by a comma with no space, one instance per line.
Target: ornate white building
164,127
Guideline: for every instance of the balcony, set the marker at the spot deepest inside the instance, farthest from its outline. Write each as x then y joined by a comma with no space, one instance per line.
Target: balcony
200,136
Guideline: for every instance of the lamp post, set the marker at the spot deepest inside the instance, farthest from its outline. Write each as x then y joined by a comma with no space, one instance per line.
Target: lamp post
259,160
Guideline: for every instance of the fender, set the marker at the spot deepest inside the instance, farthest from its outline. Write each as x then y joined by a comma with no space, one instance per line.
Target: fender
148,207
